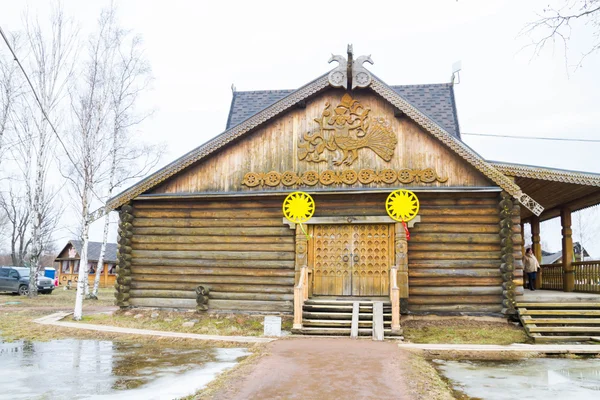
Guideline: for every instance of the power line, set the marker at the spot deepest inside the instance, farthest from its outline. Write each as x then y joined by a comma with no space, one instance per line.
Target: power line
39,102
534,137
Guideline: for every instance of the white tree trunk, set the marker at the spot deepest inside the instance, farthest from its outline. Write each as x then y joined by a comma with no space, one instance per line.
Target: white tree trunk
37,216
78,311
100,266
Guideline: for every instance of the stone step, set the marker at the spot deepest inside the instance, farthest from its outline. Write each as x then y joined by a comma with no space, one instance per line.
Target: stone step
337,307
564,329
587,313
564,321
345,302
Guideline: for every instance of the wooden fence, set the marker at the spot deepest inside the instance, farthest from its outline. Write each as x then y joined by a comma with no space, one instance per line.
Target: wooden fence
586,276
552,277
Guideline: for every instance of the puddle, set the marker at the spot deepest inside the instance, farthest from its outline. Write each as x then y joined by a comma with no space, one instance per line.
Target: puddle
90,369
541,378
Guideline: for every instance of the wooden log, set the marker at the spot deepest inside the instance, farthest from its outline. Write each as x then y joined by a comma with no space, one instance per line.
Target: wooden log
197,213
215,247
444,300
205,279
421,255
451,281
460,219
464,228
213,239
467,211
250,296
469,238
481,308
479,272
147,262
215,255
225,231
415,246
454,263
214,287
208,204
175,294
210,271
454,291
203,222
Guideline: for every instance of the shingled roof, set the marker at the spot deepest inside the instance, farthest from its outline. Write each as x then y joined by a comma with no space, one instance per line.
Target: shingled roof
434,100
94,250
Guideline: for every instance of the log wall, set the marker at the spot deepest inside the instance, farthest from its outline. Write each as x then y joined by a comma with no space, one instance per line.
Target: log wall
244,253
239,249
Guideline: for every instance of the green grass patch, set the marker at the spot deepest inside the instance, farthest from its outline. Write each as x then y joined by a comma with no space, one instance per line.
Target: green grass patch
180,321
460,331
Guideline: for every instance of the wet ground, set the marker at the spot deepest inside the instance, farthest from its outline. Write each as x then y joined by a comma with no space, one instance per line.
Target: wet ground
90,369
320,368
542,378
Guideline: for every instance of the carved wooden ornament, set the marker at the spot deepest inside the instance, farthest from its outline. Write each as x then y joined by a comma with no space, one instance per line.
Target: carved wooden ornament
346,129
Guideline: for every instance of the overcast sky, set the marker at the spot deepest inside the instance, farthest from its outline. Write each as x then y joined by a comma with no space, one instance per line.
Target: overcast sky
197,49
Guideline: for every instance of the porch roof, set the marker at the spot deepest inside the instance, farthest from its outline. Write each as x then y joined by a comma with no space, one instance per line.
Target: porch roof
553,188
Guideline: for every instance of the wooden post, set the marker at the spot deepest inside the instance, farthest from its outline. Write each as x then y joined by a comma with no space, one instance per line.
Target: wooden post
537,246
401,249
395,300
301,253
523,248
301,267
567,250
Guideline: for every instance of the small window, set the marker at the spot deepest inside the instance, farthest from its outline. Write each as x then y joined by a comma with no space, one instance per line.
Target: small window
92,268
76,267
65,267
112,269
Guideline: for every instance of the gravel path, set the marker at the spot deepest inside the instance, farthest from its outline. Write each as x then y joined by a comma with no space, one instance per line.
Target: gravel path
315,368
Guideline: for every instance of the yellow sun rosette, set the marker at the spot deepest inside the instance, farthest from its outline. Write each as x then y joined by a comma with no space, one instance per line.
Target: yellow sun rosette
298,207
402,206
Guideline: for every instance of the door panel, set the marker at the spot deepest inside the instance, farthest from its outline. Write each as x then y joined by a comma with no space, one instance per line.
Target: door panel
351,259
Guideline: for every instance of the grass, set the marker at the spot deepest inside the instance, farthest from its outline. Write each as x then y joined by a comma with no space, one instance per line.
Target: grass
207,324
460,331
58,299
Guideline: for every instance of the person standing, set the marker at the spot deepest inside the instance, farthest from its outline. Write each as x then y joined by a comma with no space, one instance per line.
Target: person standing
531,268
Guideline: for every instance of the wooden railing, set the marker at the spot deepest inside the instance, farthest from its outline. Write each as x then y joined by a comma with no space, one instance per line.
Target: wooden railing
587,276
300,296
552,276
395,298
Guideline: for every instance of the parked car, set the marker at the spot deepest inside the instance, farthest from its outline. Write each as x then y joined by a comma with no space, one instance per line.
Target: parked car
16,280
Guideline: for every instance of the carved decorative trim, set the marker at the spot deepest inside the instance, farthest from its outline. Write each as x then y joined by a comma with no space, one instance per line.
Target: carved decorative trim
346,129
454,144
347,177
216,143
353,219
549,174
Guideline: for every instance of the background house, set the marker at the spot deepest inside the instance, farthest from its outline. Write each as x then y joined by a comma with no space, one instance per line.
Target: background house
67,263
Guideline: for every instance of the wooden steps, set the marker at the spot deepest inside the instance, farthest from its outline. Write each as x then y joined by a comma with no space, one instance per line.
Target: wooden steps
335,317
574,321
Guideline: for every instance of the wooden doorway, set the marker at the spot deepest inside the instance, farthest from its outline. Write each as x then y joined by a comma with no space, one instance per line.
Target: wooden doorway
351,260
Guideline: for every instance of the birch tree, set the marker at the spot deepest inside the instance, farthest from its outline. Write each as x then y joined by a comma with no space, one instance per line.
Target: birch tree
49,60
128,160
90,143
10,87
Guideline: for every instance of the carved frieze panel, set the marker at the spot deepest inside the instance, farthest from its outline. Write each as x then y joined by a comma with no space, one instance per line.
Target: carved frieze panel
345,129
347,177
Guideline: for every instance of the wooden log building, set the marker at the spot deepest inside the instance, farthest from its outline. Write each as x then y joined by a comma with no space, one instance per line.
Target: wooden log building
67,263
214,218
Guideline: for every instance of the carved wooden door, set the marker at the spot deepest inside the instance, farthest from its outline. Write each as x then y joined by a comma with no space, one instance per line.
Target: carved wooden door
351,260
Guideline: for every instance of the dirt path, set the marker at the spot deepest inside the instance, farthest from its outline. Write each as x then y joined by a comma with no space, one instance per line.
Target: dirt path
314,368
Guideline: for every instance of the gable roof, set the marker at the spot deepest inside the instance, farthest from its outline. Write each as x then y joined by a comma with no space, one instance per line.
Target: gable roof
548,174
306,91
434,100
551,258
110,254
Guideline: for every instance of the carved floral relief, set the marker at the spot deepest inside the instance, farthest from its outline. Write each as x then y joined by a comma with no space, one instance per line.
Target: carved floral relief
346,129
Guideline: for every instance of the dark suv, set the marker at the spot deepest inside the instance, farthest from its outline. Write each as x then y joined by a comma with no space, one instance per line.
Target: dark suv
16,280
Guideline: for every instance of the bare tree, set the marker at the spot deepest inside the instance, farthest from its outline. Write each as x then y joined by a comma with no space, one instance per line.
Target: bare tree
17,212
586,227
49,50
10,87
91,141
559,24
128,160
